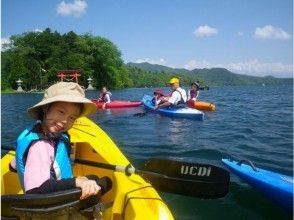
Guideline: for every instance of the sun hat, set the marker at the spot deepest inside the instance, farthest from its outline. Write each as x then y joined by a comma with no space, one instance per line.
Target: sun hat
159,92
64,92
174,80
196,84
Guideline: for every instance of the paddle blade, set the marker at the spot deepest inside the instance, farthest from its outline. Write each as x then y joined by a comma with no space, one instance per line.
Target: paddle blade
189,179
140,114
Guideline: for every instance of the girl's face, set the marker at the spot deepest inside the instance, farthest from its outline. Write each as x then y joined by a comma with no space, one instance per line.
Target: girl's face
60,116
193,87
104,90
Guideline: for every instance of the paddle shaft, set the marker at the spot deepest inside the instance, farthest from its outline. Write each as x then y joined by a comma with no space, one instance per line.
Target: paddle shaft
202,187
128,170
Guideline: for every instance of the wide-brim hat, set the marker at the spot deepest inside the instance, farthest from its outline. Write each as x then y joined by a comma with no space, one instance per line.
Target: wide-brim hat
64,92
196,84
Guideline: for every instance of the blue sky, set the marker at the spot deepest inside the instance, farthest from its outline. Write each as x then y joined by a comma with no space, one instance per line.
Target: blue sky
253,37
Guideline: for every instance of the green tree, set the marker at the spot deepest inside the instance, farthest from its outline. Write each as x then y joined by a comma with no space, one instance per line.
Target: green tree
31,52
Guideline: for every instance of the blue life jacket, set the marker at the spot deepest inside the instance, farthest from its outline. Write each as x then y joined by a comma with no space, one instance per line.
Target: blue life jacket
61,168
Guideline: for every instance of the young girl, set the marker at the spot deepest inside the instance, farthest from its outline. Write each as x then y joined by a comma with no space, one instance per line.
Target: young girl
194,92
105,95
158,97
42,153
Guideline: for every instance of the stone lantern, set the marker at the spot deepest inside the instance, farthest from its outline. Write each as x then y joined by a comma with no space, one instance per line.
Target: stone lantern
90,87
19,88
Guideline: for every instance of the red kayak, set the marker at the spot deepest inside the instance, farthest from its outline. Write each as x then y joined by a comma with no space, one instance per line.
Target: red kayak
117,104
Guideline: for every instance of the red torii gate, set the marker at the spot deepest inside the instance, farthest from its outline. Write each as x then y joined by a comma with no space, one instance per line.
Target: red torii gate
68,75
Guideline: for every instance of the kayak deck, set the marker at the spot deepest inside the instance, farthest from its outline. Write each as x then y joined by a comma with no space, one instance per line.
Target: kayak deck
185,112
132,197
275,186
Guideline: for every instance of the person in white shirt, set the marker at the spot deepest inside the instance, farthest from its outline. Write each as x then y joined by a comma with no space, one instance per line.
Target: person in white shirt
105,95
178,96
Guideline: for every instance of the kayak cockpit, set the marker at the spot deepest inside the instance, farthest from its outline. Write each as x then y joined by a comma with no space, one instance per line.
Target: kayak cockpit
57,205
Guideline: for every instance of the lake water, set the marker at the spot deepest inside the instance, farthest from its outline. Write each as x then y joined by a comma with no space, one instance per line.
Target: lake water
252,122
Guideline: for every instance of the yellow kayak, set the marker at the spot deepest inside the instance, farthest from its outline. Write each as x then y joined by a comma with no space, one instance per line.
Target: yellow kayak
130,197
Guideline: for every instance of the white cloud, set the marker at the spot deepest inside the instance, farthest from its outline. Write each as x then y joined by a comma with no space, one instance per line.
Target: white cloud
5,43
76,9
270,32
161,61
193,64
253,67
205,31
240,33
38,30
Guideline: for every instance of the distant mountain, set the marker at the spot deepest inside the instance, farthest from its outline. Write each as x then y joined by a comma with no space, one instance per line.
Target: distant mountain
215,76
157,68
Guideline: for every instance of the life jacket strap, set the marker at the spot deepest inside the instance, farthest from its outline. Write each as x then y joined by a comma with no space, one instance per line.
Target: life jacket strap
181,103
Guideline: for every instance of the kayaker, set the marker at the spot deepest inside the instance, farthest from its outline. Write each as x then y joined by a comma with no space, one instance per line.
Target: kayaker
178,97
194,91
42,157
158,97
105,95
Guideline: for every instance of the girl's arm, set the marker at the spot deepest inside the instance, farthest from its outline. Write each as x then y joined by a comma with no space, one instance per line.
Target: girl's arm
197,94
52,185
107,98
37,178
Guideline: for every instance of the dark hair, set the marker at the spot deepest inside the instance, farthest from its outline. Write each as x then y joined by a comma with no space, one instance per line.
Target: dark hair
81,107
41,112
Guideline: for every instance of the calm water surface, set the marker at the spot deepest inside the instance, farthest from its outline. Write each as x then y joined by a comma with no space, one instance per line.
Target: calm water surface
255,123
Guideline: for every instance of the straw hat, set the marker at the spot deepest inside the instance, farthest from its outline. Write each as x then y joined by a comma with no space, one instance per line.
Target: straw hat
64,92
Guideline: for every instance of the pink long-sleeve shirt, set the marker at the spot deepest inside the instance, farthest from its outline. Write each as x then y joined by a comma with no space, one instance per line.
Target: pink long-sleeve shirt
39,162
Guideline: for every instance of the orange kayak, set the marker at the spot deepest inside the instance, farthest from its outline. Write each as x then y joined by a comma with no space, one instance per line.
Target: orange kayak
204,106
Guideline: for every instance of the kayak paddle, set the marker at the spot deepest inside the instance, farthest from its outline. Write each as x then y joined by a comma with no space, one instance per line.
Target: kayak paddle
189,179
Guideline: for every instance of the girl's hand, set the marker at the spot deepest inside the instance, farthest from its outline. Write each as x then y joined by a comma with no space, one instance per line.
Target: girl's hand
88,187
165,99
